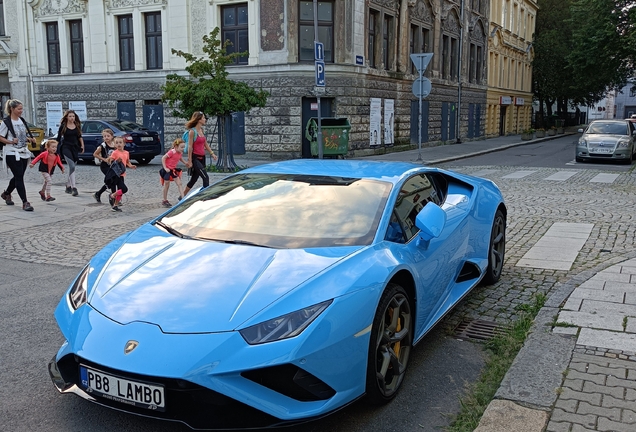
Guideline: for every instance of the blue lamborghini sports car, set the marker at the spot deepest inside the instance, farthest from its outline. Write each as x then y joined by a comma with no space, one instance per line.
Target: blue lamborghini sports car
278,294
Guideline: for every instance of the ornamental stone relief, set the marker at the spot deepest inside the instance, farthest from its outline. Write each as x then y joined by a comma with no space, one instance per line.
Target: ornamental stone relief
58,7
477,34
114,4
389,4
422,11
451,23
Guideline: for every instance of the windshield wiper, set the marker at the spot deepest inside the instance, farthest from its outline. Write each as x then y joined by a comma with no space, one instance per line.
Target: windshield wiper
244,242
171,230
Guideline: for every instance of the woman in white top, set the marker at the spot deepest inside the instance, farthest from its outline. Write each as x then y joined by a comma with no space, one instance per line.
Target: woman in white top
13,134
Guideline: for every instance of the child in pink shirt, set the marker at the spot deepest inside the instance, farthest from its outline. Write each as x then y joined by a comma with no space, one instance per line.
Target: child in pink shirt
170,172
48,160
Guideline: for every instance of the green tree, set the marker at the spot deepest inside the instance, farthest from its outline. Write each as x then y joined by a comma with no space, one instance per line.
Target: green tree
209,90
551,74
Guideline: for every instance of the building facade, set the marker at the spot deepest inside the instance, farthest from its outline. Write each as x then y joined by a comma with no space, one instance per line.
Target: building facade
512,26
114,55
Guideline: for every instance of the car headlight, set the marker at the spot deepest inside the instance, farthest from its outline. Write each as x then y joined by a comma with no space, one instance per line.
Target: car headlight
583,142
283,327
623,142
77,295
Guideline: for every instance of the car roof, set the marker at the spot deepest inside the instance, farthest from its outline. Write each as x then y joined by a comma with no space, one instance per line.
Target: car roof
376,170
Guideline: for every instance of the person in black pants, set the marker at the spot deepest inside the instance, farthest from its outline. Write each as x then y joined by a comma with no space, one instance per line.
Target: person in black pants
197,145
70,137
16,154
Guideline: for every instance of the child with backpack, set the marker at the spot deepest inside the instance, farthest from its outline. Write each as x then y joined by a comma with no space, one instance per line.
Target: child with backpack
48,159
169,172
119,160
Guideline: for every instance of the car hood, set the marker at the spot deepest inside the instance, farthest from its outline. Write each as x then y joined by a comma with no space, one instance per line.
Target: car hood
192,286
606,138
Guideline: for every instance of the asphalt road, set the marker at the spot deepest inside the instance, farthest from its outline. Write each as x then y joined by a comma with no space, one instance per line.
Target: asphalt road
557,153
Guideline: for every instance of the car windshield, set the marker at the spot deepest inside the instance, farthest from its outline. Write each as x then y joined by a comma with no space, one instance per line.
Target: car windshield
283,211
127,126
608,128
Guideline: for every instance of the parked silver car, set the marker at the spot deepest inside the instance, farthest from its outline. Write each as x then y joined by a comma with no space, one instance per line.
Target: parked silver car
607,139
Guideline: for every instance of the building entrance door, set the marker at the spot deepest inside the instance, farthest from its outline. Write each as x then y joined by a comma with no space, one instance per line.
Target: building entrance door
502,120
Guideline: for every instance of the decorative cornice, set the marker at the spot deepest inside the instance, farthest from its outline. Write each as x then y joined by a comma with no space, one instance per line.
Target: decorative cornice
115,4
423,11
46,8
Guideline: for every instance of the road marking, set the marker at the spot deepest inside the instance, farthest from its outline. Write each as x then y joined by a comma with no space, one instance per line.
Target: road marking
519,174
604,178
561,175
558,248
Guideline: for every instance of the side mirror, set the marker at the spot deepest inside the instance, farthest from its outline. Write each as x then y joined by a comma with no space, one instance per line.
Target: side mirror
430,221
580,130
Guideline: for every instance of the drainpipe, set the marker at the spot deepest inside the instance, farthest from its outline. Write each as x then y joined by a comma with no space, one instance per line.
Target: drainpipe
30,86
459,75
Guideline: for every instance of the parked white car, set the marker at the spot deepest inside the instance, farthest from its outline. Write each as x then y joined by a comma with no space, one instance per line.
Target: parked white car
607,139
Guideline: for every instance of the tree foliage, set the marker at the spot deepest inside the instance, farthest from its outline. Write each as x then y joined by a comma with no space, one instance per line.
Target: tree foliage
583,49
208,88
602,56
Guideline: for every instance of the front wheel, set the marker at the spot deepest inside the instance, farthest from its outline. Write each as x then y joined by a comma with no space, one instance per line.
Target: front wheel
390,345
496,249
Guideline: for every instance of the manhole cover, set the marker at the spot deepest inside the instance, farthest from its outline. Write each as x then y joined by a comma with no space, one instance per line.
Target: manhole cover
477,329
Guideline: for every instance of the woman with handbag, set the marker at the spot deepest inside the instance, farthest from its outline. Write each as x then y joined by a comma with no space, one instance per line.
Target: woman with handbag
16,155
70,137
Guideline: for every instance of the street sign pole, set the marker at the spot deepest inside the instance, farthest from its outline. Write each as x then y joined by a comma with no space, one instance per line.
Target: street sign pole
419,117
319,132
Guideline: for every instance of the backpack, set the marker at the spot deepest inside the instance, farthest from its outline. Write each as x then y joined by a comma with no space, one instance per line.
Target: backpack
185,137
7,121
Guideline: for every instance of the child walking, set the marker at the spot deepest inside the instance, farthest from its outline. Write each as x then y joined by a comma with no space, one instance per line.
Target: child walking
48,160
170,172
102,152
119,160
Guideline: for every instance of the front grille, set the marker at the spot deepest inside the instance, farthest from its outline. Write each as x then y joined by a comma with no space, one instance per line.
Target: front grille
197,406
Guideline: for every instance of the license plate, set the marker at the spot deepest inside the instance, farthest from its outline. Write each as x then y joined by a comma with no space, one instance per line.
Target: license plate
147,139
139,394
602,150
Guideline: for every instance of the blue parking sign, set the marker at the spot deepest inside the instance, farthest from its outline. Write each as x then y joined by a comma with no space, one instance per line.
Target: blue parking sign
320,73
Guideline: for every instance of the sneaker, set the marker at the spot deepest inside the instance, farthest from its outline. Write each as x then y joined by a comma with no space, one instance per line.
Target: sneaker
6,197
115,209
69,190
26,206
42,195
74,192
180,197
111,200
166,203
49,199
97,197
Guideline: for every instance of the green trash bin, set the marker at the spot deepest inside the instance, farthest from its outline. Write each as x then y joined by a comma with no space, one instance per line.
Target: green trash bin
335,135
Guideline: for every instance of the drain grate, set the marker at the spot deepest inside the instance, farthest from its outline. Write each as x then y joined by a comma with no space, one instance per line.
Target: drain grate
477,329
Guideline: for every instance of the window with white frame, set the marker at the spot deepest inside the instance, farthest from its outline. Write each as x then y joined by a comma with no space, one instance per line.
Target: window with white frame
234,29
77,46
154,45
126,43
53,47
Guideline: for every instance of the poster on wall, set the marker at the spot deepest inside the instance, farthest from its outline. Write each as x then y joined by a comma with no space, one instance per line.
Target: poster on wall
374,122
53,117
80,109
389,121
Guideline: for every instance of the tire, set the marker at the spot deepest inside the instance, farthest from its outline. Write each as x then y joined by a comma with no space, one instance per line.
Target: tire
496,249
390,345
144,161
